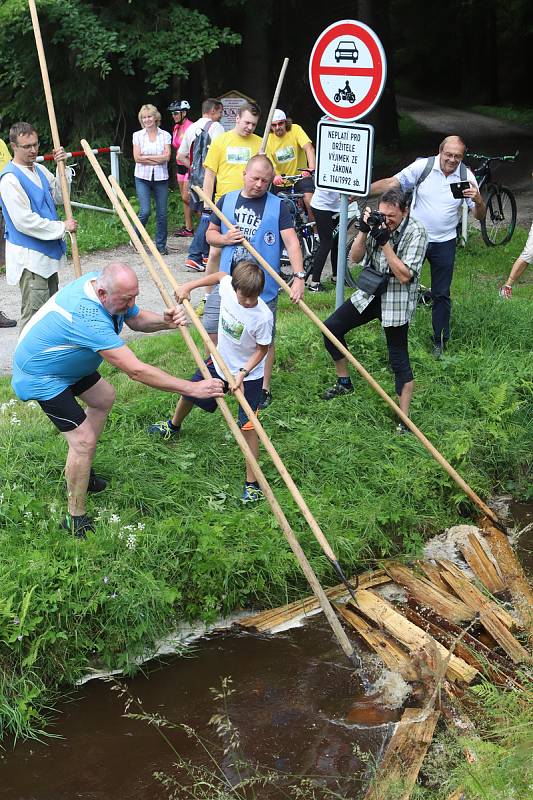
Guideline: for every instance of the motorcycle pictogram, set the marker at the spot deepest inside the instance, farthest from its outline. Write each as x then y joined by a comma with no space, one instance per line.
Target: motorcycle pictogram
345,94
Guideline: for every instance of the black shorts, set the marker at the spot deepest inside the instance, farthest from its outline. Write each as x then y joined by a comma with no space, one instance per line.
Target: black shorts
181,169
63,409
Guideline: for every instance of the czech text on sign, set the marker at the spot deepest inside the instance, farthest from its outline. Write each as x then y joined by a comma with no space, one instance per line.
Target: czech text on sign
344,156
347,70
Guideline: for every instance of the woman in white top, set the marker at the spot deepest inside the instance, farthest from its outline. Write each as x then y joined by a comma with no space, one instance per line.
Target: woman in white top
151,151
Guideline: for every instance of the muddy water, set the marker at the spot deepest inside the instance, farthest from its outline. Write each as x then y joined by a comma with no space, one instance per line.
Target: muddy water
293,695
522,514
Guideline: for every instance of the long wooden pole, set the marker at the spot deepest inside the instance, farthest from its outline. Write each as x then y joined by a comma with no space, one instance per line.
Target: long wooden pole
273,105
362,371
262,434
313,581
55,133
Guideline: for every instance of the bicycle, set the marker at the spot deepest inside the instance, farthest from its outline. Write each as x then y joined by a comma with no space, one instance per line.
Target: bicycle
303,227
500,221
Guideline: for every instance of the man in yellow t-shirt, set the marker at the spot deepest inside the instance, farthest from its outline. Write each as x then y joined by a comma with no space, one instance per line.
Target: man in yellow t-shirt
290,149
5,158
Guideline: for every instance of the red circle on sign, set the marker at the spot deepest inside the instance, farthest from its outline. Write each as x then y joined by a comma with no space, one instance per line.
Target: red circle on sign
377,72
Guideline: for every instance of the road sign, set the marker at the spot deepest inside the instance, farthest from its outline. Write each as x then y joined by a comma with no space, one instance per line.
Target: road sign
347,70
344,153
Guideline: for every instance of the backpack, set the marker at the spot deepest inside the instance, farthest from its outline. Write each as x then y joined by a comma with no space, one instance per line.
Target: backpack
199,148
425,172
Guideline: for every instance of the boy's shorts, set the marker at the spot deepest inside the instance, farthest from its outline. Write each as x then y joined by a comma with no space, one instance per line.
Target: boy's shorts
212,312
251,389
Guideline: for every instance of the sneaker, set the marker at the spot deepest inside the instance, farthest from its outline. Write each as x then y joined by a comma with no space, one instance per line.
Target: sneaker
252,494
5,322
163,251
205,259
402,428
506,291
200,308
337,391
96,483
316,287
437,350
266,399
78,526
334,279
165,429
186,232
192,264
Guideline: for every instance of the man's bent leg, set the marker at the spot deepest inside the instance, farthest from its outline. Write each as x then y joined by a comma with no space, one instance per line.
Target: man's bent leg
99,400
441,257
81,449
397,344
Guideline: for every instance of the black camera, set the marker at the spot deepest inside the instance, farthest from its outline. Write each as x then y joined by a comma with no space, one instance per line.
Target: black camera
375,219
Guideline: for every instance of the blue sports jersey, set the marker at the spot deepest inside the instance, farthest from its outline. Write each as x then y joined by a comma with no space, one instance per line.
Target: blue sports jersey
60,344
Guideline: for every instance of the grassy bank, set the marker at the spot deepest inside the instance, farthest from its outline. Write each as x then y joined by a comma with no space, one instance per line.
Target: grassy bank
522,116
172,540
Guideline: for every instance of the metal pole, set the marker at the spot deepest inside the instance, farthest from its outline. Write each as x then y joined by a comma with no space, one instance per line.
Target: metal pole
341,253
115,163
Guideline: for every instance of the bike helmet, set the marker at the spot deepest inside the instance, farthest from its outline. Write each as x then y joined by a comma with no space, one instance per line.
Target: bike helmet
178,105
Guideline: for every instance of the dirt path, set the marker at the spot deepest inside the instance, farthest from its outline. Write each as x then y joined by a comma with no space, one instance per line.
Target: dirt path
482,134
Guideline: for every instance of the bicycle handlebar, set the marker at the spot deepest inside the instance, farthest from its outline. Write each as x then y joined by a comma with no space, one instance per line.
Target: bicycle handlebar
493,158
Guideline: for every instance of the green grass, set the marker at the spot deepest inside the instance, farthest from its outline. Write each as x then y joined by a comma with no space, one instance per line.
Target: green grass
183,548
522,116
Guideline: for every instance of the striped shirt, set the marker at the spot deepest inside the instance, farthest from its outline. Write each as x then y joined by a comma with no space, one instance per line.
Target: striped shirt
159,172
398,302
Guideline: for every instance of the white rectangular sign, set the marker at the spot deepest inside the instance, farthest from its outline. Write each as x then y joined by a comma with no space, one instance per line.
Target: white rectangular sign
344,156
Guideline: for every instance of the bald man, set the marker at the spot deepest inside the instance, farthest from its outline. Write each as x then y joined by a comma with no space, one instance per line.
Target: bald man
439,211
57,358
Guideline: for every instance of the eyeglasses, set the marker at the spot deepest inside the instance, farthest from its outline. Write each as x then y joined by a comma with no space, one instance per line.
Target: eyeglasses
30,146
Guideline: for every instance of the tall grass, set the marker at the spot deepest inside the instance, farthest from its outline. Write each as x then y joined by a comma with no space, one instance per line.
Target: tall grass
172,540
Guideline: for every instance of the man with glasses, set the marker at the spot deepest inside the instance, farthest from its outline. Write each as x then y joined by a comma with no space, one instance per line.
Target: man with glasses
35,246
439,211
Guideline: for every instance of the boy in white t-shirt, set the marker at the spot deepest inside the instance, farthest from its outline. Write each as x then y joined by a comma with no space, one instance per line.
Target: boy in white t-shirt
244,335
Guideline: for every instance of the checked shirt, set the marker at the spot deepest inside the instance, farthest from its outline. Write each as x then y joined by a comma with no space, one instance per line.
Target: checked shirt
398,303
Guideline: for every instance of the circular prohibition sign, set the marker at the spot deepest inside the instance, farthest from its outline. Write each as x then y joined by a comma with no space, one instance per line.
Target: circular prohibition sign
373,70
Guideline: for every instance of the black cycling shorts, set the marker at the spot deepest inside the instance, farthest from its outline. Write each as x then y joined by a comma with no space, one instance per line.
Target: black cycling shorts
63,409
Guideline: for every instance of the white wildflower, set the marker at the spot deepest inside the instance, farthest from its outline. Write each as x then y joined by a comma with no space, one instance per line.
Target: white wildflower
114,518
131,541
105,579
140,526
128,527
28,515
15,420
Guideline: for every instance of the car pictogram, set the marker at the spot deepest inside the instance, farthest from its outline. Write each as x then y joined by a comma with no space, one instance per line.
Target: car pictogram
346,51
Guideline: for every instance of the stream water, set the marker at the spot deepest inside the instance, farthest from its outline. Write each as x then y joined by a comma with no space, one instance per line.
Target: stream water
296,703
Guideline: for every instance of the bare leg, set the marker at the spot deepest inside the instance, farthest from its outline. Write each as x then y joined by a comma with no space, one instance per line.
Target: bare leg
213,265
269,365
404,400
82,444
183,409
253,444
341,368
307,203
184,191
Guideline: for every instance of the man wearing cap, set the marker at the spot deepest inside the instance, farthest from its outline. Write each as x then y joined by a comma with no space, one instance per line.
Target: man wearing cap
290,149
35,247
5,158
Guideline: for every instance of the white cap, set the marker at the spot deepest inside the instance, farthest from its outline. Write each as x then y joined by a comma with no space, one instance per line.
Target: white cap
279,115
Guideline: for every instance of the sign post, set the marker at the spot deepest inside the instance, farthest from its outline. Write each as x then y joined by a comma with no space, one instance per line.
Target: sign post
347,73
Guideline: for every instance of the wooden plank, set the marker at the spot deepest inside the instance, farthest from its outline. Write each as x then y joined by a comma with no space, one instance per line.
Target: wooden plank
429,595
393,656
431,571
490,615
272,617
481,565
397,773
409,635
512,573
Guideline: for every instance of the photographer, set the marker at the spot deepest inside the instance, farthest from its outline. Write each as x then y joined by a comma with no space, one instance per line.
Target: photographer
393,245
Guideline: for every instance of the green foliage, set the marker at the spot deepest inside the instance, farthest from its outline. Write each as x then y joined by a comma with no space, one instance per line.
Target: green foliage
523,116
173,542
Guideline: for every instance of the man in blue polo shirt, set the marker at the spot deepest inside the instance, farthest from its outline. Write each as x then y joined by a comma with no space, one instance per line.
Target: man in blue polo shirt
57,358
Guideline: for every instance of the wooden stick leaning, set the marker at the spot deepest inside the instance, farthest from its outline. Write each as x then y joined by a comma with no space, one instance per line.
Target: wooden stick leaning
313,581
275,99
239,394
55,133
362,371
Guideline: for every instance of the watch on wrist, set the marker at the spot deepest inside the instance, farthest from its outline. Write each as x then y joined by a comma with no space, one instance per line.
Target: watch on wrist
300,274
245,371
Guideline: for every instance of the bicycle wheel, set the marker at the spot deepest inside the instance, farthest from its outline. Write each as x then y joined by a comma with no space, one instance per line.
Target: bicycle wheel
500,221
352,271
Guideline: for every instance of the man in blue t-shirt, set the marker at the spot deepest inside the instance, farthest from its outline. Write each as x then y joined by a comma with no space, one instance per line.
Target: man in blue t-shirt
57,358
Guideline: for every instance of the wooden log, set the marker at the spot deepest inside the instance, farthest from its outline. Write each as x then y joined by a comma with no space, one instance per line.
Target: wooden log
429,595
481,565
393,656
431,571
397,773
272,617
494,619
512,573
409,635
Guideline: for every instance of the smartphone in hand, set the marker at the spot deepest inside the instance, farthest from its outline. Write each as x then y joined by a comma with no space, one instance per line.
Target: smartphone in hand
457,189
